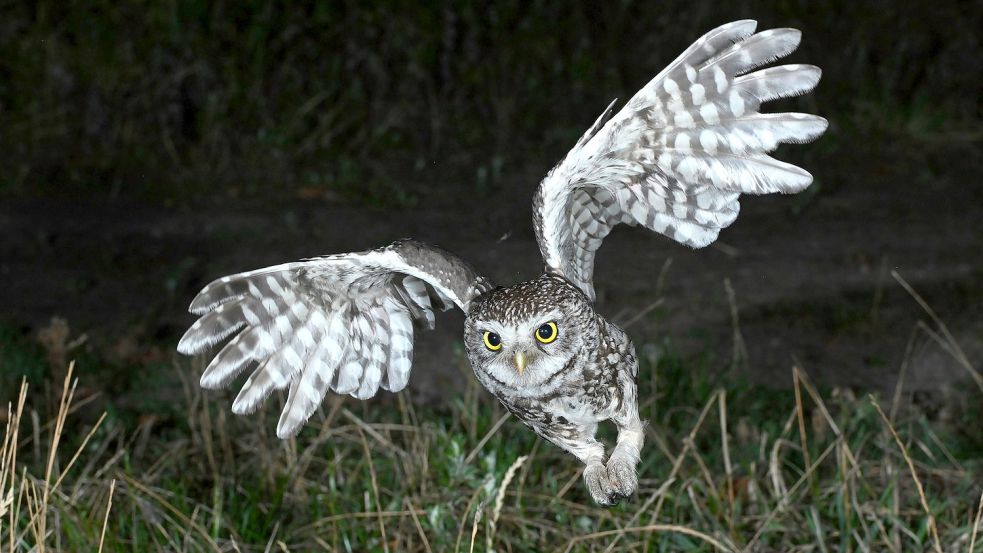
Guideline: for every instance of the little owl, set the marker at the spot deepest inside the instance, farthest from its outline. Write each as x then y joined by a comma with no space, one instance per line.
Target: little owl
675,159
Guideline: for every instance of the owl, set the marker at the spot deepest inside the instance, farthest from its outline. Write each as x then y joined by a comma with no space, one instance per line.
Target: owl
675,159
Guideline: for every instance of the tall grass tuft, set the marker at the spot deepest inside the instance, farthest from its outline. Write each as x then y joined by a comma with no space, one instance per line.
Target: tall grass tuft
727,467
767,472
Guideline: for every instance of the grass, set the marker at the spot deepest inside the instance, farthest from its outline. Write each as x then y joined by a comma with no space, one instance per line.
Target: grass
727,467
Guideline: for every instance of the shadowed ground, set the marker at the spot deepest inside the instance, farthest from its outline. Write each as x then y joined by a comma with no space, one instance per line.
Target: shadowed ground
810,276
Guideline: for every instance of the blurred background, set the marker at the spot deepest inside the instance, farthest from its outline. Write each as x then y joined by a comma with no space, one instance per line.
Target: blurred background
147,148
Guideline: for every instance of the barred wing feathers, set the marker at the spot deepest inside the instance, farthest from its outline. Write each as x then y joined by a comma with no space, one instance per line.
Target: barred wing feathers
680,153
342,323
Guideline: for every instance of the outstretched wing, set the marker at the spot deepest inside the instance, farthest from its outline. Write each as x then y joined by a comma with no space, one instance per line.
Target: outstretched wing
340,322
677,157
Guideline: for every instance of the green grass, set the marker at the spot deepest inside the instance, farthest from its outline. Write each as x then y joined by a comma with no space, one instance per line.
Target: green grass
725,463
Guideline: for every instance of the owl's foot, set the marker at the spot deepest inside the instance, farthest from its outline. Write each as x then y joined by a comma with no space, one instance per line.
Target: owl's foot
609,484
621,471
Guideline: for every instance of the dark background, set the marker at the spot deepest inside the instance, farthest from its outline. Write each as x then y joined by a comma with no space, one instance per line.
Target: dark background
147,148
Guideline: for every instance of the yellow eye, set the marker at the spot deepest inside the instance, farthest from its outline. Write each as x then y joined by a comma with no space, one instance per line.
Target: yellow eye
547,332
492,341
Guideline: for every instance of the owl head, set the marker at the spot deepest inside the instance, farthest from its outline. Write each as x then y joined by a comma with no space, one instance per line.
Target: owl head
523,335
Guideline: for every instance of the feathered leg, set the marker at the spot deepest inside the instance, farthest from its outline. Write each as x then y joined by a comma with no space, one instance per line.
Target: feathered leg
621,465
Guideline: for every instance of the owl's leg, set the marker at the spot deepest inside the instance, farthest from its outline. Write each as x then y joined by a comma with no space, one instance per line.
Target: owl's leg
621,465
608,484
579,440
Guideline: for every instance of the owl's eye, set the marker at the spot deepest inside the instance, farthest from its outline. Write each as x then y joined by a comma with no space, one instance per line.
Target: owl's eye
547,332
492,341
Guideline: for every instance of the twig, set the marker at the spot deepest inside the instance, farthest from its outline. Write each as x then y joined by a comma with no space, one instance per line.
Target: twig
687,444
464,517
573,480
800,415
105,520
145,490
659,496
788,495
484,440
650,528
500,499
419,527
360,514
725,447
638,316
911,467
474,524
956,351
375,489
818,401
976,525
905,362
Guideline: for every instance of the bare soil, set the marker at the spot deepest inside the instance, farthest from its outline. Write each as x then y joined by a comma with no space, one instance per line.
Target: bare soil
811,279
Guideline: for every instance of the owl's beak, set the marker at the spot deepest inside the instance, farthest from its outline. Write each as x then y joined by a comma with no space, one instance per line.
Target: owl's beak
520,362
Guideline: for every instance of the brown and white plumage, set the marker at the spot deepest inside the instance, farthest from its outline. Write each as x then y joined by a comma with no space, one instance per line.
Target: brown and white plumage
675,159
340,322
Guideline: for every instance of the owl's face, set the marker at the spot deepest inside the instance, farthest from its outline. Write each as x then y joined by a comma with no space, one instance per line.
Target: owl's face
523,335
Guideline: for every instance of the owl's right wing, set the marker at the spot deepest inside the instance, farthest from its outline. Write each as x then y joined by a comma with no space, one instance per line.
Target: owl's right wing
341,322
677,157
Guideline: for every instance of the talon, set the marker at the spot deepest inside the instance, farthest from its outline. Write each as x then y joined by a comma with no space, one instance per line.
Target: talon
621,473
599,484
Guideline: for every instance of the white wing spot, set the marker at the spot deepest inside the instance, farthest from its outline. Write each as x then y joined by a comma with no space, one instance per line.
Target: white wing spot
708,140
266,341
718,173
318,319
682,141
250,315
699,94
709,114
719,79
671,87
736,104
683,119
746,56
283,324
703,200
690,73
254,291
689,169
292,358
659,204
271,281
306,337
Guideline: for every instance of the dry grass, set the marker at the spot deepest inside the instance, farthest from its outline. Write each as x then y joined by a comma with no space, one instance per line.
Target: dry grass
754,491
752,470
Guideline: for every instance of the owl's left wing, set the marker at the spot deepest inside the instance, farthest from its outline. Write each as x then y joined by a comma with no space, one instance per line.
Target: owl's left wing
677,157
341,322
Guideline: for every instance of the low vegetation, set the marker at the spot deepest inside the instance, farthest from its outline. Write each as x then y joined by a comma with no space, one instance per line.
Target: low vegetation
728,467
